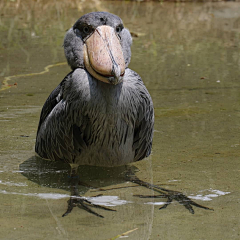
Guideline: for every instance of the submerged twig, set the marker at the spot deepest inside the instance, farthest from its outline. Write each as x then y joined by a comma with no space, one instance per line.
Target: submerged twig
123,234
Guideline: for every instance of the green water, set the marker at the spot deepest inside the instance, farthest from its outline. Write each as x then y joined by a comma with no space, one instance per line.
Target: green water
188,56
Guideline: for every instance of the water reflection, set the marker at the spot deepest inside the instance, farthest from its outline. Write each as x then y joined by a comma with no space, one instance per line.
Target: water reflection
92,181
57,175
188,56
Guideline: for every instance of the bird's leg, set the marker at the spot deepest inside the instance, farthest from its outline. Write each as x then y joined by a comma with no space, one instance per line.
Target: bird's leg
78,201
166,193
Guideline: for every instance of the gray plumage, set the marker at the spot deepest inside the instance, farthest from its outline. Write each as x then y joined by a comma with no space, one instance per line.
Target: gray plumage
89,122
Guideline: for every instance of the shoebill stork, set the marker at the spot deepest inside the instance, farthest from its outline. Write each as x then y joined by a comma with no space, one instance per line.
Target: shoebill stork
101,114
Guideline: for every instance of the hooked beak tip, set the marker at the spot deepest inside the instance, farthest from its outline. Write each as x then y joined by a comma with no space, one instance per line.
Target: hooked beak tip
114,80
117,76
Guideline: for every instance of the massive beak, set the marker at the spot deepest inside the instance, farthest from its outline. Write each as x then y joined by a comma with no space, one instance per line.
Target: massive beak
103,56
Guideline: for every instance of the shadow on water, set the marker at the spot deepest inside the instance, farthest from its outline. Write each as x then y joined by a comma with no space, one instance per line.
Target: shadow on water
102,186
57,174
188,55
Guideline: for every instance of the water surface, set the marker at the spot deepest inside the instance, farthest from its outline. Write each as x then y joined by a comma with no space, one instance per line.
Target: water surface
188,56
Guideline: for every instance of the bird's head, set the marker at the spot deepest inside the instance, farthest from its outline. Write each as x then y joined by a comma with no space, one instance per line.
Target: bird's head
99,43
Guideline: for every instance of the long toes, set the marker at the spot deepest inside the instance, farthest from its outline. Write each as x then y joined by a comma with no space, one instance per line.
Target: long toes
164,206
189,208
84,204
169,201
70,208
99,206
66,213
200,206
188,203
85,207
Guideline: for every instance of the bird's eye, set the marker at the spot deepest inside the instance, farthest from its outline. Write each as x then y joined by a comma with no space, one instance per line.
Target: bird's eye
118,29
86,29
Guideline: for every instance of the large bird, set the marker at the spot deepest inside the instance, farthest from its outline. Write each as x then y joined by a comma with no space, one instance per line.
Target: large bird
101,114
